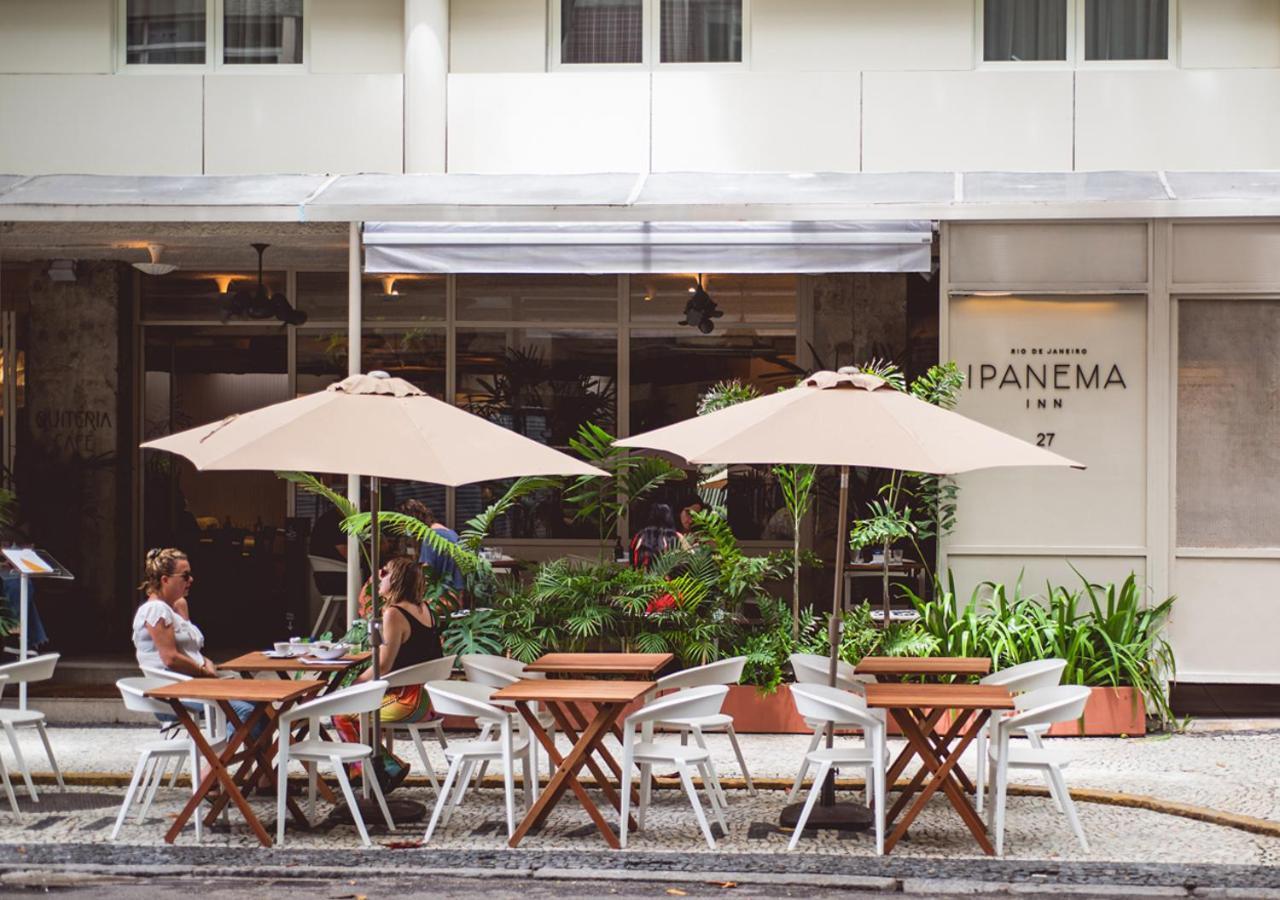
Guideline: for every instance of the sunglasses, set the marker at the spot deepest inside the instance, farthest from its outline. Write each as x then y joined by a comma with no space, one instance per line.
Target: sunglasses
185,576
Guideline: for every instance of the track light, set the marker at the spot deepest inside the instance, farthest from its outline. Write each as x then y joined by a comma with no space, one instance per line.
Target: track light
700,310
155,267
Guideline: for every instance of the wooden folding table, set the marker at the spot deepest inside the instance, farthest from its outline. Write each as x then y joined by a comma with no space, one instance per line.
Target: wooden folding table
564,699
894,668
332,670
915,707
633,665
254,754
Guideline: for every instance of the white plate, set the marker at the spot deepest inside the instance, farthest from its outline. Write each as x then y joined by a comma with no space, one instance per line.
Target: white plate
271,654
312,661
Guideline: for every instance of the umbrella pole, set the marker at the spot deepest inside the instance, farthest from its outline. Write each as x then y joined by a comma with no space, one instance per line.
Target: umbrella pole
829,814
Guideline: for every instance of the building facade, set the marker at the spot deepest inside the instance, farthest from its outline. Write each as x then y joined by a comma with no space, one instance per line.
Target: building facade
1104,267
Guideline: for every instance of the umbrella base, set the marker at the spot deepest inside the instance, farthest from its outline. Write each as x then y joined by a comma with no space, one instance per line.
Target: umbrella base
838,817
402,811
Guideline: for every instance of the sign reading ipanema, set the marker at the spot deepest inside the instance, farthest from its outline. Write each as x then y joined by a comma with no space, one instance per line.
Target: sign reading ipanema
1046,383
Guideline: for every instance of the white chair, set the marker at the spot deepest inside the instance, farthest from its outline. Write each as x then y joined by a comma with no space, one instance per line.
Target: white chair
453,698
419,675
154,756
498,672
809,668
688,704
824,703
725,672
1044,706
329,603
4,774
37,668
352,701
1019,679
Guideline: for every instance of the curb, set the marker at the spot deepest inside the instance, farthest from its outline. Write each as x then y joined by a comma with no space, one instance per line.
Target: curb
1237,821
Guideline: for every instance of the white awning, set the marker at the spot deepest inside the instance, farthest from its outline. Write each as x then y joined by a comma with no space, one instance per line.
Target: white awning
603,248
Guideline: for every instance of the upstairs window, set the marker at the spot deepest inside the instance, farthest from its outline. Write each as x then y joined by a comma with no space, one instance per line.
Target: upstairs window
640,32
1024,30
1126,29
166,32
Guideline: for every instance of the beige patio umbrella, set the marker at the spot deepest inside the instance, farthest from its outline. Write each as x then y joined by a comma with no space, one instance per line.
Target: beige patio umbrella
844,419
370,425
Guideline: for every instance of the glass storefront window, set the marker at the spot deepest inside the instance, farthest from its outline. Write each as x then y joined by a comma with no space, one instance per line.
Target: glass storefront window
200,296
538,298
1228,475
384,298
165,32
744,299
701,31
601,31
543,384
262,32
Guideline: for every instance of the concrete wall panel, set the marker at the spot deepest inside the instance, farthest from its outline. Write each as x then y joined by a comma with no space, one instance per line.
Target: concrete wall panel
66,36
1226,253
100,124
1228,34
498,36
365,37
1225,619
752,121
1087,255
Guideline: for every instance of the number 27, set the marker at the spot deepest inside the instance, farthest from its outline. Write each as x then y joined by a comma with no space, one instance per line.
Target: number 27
1044,439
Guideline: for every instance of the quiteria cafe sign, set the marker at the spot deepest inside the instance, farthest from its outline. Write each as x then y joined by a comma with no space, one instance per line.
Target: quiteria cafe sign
1046,377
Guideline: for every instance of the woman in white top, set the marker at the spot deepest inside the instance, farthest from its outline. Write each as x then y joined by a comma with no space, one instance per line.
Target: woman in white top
162,634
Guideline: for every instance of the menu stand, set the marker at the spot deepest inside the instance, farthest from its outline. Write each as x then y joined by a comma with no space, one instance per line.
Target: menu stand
30,563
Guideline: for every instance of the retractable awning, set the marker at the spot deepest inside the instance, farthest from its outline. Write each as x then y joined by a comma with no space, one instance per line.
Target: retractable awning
603,248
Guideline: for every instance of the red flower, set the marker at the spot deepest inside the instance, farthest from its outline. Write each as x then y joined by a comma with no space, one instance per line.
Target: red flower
662,604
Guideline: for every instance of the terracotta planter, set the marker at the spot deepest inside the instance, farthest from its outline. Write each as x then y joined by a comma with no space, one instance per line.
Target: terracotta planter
1109,712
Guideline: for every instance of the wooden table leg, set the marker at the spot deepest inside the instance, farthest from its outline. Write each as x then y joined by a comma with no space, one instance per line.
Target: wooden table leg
566,773
603,752
603,782
940,750
217,773
941,777
904,757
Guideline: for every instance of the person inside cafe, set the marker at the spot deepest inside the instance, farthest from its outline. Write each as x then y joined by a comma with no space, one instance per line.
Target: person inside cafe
409,637
656,538
440,565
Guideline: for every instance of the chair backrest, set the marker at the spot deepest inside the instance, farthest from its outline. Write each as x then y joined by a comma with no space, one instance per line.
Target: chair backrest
350,701
494,671
325,564
1044,706
832,704
167,675
1028,676
689,703
461,698
133,691
37,668
431,670
813,669
724,671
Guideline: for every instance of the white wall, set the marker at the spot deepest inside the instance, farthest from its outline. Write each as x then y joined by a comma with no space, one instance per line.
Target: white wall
1230,34
498,36
755,121
1225,619
312,124
66,36
365,37
994,121
1225,119
861,35
100,124
549,123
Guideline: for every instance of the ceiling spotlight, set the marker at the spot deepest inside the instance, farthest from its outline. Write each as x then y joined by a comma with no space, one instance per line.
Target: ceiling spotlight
155,267
223,282
700,310
260,303
389,286
62,270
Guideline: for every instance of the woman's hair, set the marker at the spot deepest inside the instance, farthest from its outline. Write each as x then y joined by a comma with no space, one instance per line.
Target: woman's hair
660,517
160,562
404,580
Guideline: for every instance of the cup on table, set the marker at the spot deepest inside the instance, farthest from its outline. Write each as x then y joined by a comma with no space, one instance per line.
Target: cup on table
283,648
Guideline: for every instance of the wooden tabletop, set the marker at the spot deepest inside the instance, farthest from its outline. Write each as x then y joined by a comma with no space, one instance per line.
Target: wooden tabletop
251,690
644,664
257,661
938,696
928,665
567,690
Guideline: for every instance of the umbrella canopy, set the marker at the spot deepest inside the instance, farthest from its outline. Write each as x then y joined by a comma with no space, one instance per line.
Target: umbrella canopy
845,419
370,425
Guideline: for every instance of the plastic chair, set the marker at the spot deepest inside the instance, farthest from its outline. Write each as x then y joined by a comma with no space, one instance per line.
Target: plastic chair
1044,706
723,672
498,672
37,668
4,775
688,704
809,668
419,675
824,703
312,750
1028,676
330,603
154,756
472,700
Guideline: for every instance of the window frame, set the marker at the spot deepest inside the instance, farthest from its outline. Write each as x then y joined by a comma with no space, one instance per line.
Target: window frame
215,39
650,46
1075,58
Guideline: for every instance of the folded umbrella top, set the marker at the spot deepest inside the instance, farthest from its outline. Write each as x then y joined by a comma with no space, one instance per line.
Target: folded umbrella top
370,425
845,419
